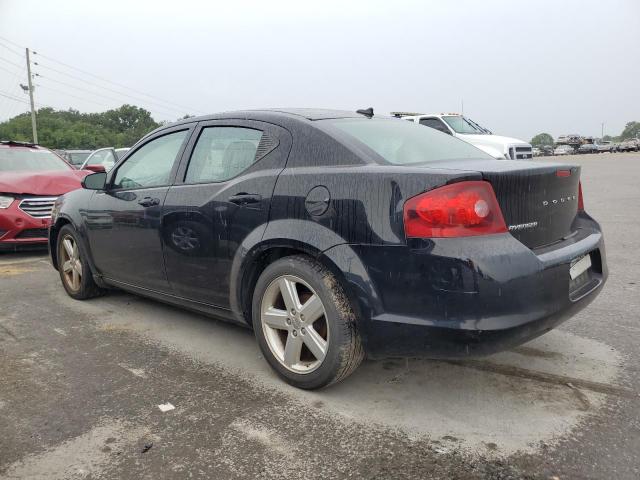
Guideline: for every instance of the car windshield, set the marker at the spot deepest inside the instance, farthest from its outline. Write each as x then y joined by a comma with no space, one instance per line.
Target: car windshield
78,158
403,143
30,160
464,125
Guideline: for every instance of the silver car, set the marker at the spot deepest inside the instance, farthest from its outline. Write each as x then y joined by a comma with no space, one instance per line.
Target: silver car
564,150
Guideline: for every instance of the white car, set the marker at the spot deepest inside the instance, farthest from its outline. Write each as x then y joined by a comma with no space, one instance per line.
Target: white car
106,157
466,129
564,150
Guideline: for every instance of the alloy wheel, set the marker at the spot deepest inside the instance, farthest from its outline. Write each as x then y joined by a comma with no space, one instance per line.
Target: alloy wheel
294,323
71,263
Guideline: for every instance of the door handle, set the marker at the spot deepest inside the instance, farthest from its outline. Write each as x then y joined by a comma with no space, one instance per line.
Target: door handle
245,198
149,202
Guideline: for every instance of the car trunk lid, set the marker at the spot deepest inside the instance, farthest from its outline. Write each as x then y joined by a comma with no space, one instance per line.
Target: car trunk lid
538,204
539,201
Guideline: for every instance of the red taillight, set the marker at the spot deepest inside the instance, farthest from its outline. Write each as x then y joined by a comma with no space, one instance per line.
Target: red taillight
580,200
461,209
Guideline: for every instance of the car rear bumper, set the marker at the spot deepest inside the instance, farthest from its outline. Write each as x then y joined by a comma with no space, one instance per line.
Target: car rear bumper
451,298
19,230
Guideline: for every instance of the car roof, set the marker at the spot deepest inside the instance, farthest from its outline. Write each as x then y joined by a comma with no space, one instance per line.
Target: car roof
301,113
273,115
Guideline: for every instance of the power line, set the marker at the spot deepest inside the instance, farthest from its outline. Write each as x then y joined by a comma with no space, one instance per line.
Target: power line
22,100
10,62
101,78
12,43
107,89
10,71
11,97
159,105
10,49
47,87
90,92
166,104
115,83
13,82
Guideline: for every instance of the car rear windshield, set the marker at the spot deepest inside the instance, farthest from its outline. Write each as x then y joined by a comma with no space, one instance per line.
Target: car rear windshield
18,159
404,143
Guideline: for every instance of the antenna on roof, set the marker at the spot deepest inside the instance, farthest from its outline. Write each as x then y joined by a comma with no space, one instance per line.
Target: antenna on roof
367,112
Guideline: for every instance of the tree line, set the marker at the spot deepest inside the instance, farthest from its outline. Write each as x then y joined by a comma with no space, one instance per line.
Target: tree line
631,130
70,129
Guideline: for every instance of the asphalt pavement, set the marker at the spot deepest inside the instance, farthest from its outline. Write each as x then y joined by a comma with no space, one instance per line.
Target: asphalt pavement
81,384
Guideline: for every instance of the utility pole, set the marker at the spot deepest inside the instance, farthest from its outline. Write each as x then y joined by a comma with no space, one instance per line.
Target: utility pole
602,131
34,127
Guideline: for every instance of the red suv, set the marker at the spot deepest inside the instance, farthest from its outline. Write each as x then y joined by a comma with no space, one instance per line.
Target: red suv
31,178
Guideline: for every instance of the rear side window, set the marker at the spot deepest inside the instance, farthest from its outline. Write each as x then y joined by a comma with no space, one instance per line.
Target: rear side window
404,143
222,153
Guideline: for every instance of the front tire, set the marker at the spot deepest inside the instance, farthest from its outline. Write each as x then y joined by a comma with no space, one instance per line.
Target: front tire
76,276
304,323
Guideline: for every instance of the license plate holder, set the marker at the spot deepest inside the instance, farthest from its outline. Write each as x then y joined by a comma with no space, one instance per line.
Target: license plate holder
579,266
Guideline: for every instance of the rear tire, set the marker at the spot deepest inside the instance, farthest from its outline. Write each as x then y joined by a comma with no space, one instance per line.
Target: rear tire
75,274
311,351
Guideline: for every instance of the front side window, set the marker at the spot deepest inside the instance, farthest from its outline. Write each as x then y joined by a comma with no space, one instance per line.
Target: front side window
222,153
151,164
404,143
435,123
18,159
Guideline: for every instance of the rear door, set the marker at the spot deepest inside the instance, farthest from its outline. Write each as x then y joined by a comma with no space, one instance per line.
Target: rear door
123,221
221,195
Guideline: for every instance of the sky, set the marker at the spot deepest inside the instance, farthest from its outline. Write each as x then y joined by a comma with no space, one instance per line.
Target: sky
518,67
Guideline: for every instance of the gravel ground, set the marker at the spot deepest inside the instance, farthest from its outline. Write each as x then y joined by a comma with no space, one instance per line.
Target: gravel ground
80,385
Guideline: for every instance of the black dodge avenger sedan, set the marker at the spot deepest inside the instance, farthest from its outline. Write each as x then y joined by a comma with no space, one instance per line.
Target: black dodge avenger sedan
335,235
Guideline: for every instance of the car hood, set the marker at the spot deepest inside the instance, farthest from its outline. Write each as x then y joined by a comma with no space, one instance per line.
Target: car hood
41,183
493,140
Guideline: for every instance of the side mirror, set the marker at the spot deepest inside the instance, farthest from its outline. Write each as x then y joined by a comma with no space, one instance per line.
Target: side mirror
95,168
95,181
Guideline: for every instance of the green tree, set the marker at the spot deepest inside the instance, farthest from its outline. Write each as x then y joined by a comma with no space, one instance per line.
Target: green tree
542,139
70,129
631,130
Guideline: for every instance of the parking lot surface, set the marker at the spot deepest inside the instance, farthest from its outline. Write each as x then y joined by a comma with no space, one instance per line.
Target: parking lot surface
80,385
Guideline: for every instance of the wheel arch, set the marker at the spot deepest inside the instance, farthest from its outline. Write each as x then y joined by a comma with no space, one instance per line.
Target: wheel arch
60,222
341,260
83,244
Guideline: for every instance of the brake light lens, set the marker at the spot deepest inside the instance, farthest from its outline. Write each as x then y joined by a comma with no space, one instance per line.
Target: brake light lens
580,200
461,209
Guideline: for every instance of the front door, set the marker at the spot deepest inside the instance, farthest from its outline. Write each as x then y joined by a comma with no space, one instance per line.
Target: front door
124,220
221,195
